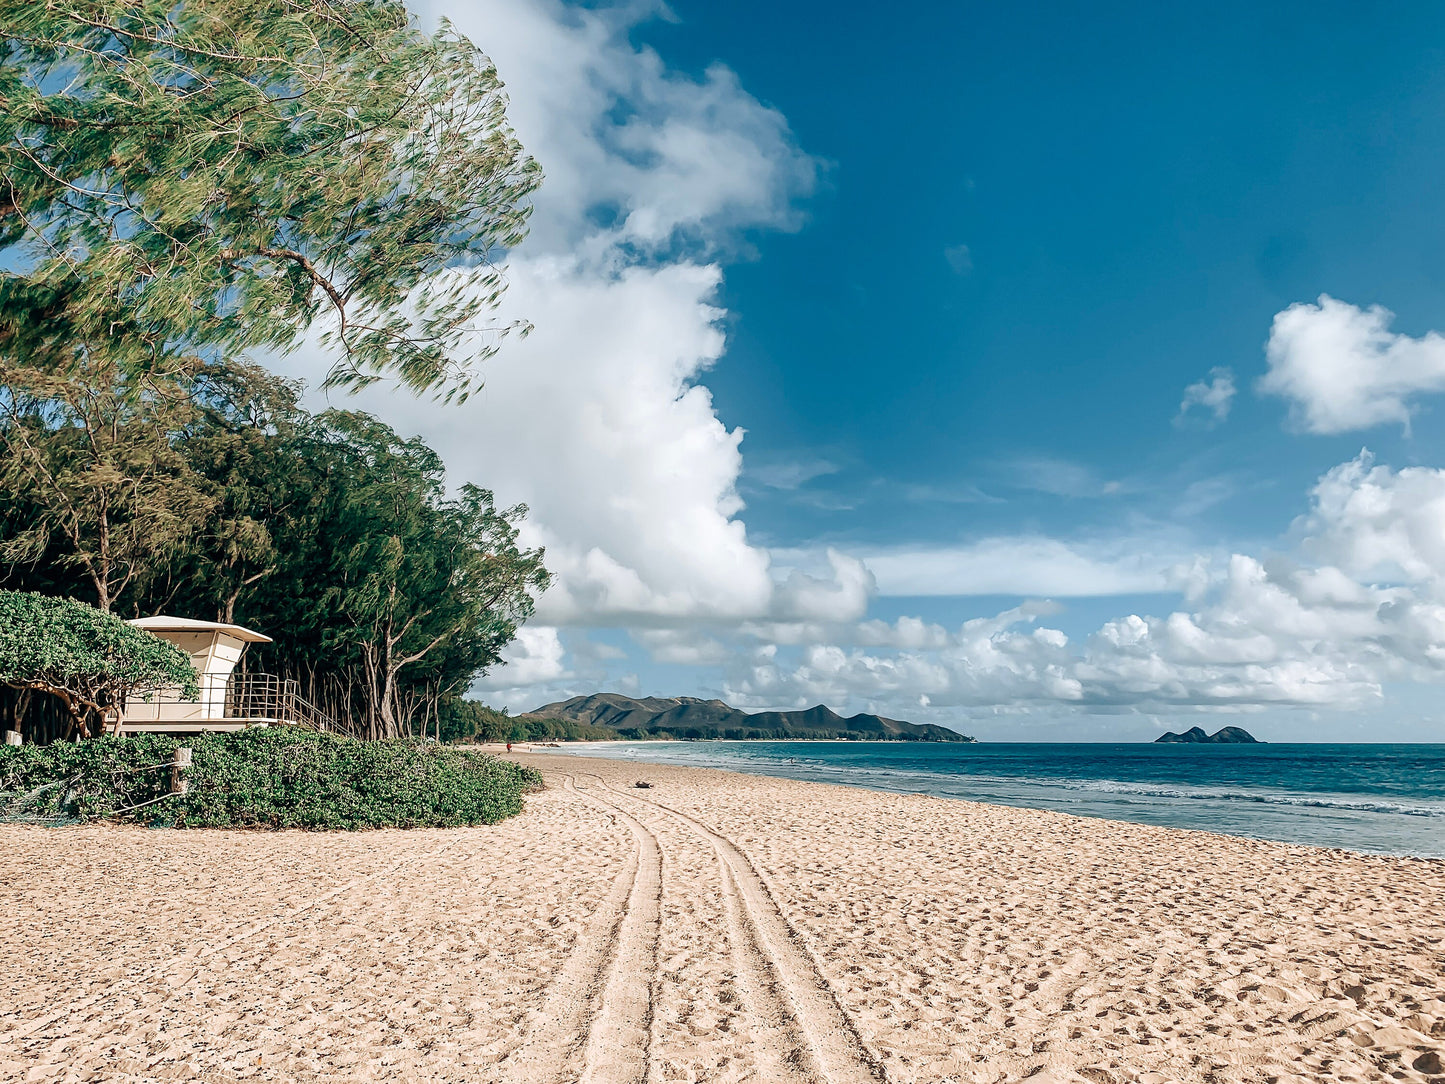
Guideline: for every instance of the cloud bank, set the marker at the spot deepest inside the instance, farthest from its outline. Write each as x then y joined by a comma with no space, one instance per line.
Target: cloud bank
1259,632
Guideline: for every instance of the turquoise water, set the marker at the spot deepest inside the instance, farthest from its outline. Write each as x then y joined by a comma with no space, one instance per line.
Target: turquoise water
1388,799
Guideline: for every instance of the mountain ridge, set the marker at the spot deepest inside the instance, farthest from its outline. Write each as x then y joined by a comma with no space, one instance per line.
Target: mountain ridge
694,718
1229,735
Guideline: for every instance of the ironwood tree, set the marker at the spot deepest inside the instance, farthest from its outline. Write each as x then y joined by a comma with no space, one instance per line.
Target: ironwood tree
89,466
215,176
387,597
184,182
414,574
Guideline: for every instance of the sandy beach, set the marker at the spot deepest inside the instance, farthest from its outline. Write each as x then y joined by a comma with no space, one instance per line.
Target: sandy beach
716,927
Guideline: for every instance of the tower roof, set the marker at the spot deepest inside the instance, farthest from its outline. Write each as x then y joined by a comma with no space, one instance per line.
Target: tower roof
162,623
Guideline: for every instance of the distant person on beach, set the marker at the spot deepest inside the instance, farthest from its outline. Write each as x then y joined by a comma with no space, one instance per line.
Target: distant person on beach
509,747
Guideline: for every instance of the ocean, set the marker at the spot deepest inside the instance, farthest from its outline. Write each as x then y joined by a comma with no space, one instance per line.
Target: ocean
1385,799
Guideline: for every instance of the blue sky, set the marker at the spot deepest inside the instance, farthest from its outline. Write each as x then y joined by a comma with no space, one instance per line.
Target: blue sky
854,327
1140,189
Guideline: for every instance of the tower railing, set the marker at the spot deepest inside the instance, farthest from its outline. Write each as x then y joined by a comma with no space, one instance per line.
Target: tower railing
267,696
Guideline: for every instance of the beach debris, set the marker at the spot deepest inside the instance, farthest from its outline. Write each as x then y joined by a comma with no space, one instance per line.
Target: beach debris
640,785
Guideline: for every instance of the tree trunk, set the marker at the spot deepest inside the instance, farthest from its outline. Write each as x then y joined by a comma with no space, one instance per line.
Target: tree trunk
387,702
22,709
101,571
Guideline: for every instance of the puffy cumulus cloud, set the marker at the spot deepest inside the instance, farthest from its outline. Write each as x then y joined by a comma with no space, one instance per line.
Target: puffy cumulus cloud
630,476
635,154
597,421
544,666
907,632
1379,523
1267,638
987,661
842,595
1215,394
536,659
1342,368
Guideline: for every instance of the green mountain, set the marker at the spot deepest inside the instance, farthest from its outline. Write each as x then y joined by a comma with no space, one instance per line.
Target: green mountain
689,717
1230,735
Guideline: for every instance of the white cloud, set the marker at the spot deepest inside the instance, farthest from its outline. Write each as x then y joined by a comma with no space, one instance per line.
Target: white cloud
1028,565
535,657
912,633
842,595
634,153
1259,632
789,474
597,421
1265,638
1380,524
684,647
1215,394
959,258
1342,368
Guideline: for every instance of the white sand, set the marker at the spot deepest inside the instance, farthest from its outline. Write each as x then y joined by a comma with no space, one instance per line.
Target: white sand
717,927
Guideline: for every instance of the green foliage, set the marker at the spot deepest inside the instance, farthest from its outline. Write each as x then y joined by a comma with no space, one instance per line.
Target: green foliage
181,182
241,445
385,595
264,778
410,571
90,457
205,177
89,659
471,721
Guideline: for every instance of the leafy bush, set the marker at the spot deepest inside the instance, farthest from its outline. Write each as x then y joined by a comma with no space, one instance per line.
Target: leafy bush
273,777
89,659
472,721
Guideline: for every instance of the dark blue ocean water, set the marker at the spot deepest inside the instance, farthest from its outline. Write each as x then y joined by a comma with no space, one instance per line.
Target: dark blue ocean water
1387,799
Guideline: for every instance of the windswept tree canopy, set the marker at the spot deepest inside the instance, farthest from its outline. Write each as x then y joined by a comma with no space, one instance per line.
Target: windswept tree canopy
89,659
215,493
90,473
204,177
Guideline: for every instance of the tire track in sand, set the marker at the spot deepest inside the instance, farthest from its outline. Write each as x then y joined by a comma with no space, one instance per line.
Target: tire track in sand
619,1047
819,1040
594,1025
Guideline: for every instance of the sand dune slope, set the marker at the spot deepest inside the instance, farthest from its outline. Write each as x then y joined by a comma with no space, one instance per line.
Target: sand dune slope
716,927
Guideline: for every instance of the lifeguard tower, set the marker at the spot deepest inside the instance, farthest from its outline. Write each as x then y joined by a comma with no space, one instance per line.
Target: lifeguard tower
227,701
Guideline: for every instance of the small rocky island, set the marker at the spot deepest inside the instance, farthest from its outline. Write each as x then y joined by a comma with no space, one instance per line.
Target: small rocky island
1230,735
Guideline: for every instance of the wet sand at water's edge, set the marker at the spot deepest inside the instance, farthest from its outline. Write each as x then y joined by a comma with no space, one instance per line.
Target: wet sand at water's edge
716,927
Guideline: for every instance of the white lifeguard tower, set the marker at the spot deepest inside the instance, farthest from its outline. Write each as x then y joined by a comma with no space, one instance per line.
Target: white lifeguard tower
227,701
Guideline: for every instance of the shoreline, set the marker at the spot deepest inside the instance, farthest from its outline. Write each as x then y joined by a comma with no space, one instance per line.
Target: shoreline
1383,824
718,926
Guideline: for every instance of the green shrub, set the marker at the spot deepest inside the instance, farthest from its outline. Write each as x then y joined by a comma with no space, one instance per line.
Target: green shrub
89,659
473,721
273,777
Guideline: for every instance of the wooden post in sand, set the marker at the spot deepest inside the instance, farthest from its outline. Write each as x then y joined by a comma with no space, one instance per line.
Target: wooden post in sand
180,761
12,737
